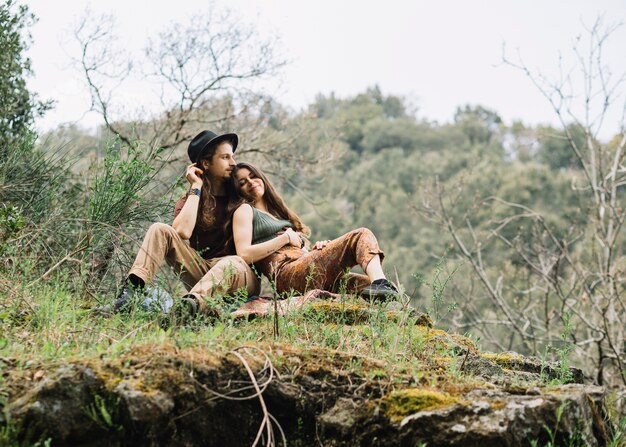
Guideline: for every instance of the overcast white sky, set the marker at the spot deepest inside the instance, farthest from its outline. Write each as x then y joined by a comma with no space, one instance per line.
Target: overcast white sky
441,54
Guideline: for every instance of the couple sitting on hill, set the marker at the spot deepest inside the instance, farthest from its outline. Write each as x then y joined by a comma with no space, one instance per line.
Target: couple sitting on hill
235,222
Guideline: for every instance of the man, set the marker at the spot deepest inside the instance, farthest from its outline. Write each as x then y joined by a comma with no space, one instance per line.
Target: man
202,263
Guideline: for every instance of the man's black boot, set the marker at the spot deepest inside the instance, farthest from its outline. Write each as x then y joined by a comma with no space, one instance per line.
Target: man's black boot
125,297
133,286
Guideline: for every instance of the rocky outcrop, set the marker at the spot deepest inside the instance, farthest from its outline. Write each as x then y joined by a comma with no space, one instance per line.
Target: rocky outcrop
161,395
571,413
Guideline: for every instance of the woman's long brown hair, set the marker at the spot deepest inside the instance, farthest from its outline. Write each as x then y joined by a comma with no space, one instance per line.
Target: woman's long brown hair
275,203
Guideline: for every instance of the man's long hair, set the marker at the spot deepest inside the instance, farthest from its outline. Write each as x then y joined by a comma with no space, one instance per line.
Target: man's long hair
206,217
275,203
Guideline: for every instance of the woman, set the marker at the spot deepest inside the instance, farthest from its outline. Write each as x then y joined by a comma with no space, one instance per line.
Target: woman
269,235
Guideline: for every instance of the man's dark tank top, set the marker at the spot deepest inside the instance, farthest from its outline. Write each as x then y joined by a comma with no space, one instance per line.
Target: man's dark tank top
210,242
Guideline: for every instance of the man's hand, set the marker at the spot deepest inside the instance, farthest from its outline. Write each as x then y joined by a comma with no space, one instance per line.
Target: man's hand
193,176
319,245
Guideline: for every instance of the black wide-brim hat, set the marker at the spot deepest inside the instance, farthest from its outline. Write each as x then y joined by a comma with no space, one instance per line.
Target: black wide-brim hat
205,140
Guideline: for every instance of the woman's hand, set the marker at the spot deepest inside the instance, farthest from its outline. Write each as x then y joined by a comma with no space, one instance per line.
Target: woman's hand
193,176
319,245
294,237
300,235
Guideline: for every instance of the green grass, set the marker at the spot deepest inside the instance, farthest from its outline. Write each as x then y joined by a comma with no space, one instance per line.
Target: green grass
50,322
47,324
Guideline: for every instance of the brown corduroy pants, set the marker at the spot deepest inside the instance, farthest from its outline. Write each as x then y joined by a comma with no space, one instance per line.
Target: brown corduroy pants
327,268
202,277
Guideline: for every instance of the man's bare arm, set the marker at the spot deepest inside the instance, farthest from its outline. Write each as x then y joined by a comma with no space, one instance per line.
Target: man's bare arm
185,222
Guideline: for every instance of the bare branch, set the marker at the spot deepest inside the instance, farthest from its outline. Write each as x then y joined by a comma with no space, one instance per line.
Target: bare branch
200,68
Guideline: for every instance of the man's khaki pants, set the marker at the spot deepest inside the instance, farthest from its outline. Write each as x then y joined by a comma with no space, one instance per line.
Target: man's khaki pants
203,278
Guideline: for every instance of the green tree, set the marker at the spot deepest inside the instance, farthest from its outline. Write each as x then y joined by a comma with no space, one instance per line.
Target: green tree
555,149
364,114
18,105
478,123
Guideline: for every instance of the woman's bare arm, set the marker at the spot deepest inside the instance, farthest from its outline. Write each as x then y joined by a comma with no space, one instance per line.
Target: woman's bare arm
242,235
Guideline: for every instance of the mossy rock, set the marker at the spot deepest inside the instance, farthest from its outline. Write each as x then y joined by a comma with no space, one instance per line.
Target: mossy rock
455,342
505,359
351,313
542,369
401,403
339,312
166,395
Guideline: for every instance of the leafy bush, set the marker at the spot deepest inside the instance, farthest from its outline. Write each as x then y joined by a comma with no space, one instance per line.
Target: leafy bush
52,220
120,202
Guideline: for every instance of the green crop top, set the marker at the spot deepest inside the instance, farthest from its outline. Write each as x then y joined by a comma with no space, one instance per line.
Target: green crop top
265,227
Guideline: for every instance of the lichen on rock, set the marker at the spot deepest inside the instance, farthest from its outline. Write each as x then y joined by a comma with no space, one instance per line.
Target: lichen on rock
401,403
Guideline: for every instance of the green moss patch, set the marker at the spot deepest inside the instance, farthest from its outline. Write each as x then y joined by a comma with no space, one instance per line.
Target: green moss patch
503,359
401,403
345,313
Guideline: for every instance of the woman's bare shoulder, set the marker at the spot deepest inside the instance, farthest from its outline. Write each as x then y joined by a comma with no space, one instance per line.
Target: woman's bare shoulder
243,210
